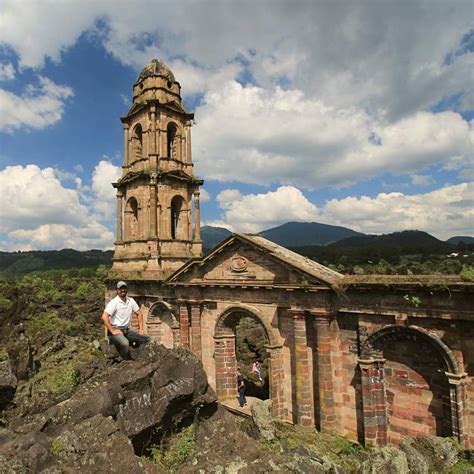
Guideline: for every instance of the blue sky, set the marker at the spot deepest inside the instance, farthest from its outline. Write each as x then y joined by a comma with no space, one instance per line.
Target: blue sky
348,113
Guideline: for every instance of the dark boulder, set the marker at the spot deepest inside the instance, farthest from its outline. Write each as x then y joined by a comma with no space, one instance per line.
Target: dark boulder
8,383
114,413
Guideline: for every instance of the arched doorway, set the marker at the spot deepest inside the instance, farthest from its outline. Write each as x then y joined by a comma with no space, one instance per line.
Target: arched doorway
413,368
162,325
240,339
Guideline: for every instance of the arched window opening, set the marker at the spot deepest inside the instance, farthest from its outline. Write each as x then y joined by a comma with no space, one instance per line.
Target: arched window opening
177,218
137,142
171,135
131,219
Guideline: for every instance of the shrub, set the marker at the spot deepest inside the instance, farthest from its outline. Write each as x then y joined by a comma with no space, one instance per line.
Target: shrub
467,273
181,451
5,303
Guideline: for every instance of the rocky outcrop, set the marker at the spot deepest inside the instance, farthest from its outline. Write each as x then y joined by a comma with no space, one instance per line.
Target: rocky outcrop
110,418
8,383
415,456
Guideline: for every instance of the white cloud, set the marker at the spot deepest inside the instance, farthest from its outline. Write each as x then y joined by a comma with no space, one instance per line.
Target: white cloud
38,107
392,57
255,212
38,212
32,196
445,212
93,235
104,174
7,72
280,136
204,195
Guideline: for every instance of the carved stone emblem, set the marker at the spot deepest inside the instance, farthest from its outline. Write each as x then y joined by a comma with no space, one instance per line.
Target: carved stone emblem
238,264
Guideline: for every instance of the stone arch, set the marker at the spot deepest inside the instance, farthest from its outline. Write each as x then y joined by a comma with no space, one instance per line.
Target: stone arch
225,348
407,371
370,346
163,325
179,224
132,230
137,142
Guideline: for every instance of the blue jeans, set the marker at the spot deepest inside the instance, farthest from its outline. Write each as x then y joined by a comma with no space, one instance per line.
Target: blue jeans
242,399
122,343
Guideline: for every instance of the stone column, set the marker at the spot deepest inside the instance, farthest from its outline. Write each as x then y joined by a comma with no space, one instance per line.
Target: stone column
183,324
196,342
226,366
457,391
197,216
177,141
188,143
183,147
152,188
152,139
327,415
126,153
119,216
373,401
277,381
304,412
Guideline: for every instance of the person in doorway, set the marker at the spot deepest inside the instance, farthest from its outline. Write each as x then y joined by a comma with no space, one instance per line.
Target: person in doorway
241,388
257,369
117,317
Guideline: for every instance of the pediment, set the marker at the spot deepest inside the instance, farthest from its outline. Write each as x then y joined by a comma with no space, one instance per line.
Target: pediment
241,261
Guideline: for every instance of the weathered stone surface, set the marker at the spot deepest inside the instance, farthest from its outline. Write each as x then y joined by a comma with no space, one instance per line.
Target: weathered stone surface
430,454
21,355
8,383
95,427
387,460
261,416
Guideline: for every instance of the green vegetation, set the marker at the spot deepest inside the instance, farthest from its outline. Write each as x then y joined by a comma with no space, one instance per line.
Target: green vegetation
181,450
56,446
5,303
58,379
467,273
414,300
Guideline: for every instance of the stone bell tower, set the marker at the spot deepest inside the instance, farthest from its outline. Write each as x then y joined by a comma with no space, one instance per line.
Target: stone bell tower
158,221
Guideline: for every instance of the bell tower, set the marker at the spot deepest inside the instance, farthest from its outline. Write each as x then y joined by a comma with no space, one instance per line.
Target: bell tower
158,219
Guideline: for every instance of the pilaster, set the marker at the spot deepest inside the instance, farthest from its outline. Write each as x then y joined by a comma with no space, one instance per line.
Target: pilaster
183,324
325,370
373,401
196,340
304,411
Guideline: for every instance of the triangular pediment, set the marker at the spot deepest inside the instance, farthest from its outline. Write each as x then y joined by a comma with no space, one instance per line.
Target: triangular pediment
249,260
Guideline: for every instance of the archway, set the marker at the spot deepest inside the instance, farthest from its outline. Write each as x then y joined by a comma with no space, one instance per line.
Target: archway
417,393
162,325
137,142
178,218
131,219
240,339
171,142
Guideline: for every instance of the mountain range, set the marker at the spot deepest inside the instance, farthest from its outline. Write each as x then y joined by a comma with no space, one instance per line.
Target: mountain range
308,238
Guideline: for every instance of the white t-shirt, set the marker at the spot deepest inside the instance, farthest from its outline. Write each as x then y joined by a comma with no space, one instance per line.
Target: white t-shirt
120,312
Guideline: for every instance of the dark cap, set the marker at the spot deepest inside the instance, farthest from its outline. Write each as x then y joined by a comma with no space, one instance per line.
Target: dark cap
121,284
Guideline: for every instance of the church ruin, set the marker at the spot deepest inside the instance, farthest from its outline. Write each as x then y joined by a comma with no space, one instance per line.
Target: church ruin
374,358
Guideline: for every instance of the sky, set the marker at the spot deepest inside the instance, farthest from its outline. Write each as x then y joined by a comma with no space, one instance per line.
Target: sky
348,113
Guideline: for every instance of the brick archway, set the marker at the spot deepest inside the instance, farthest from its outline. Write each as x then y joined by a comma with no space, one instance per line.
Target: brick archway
407,385
226,359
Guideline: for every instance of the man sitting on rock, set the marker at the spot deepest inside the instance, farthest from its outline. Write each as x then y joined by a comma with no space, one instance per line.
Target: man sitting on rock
117,316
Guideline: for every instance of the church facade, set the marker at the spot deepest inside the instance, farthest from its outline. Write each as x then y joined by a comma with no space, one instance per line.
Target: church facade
374,358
